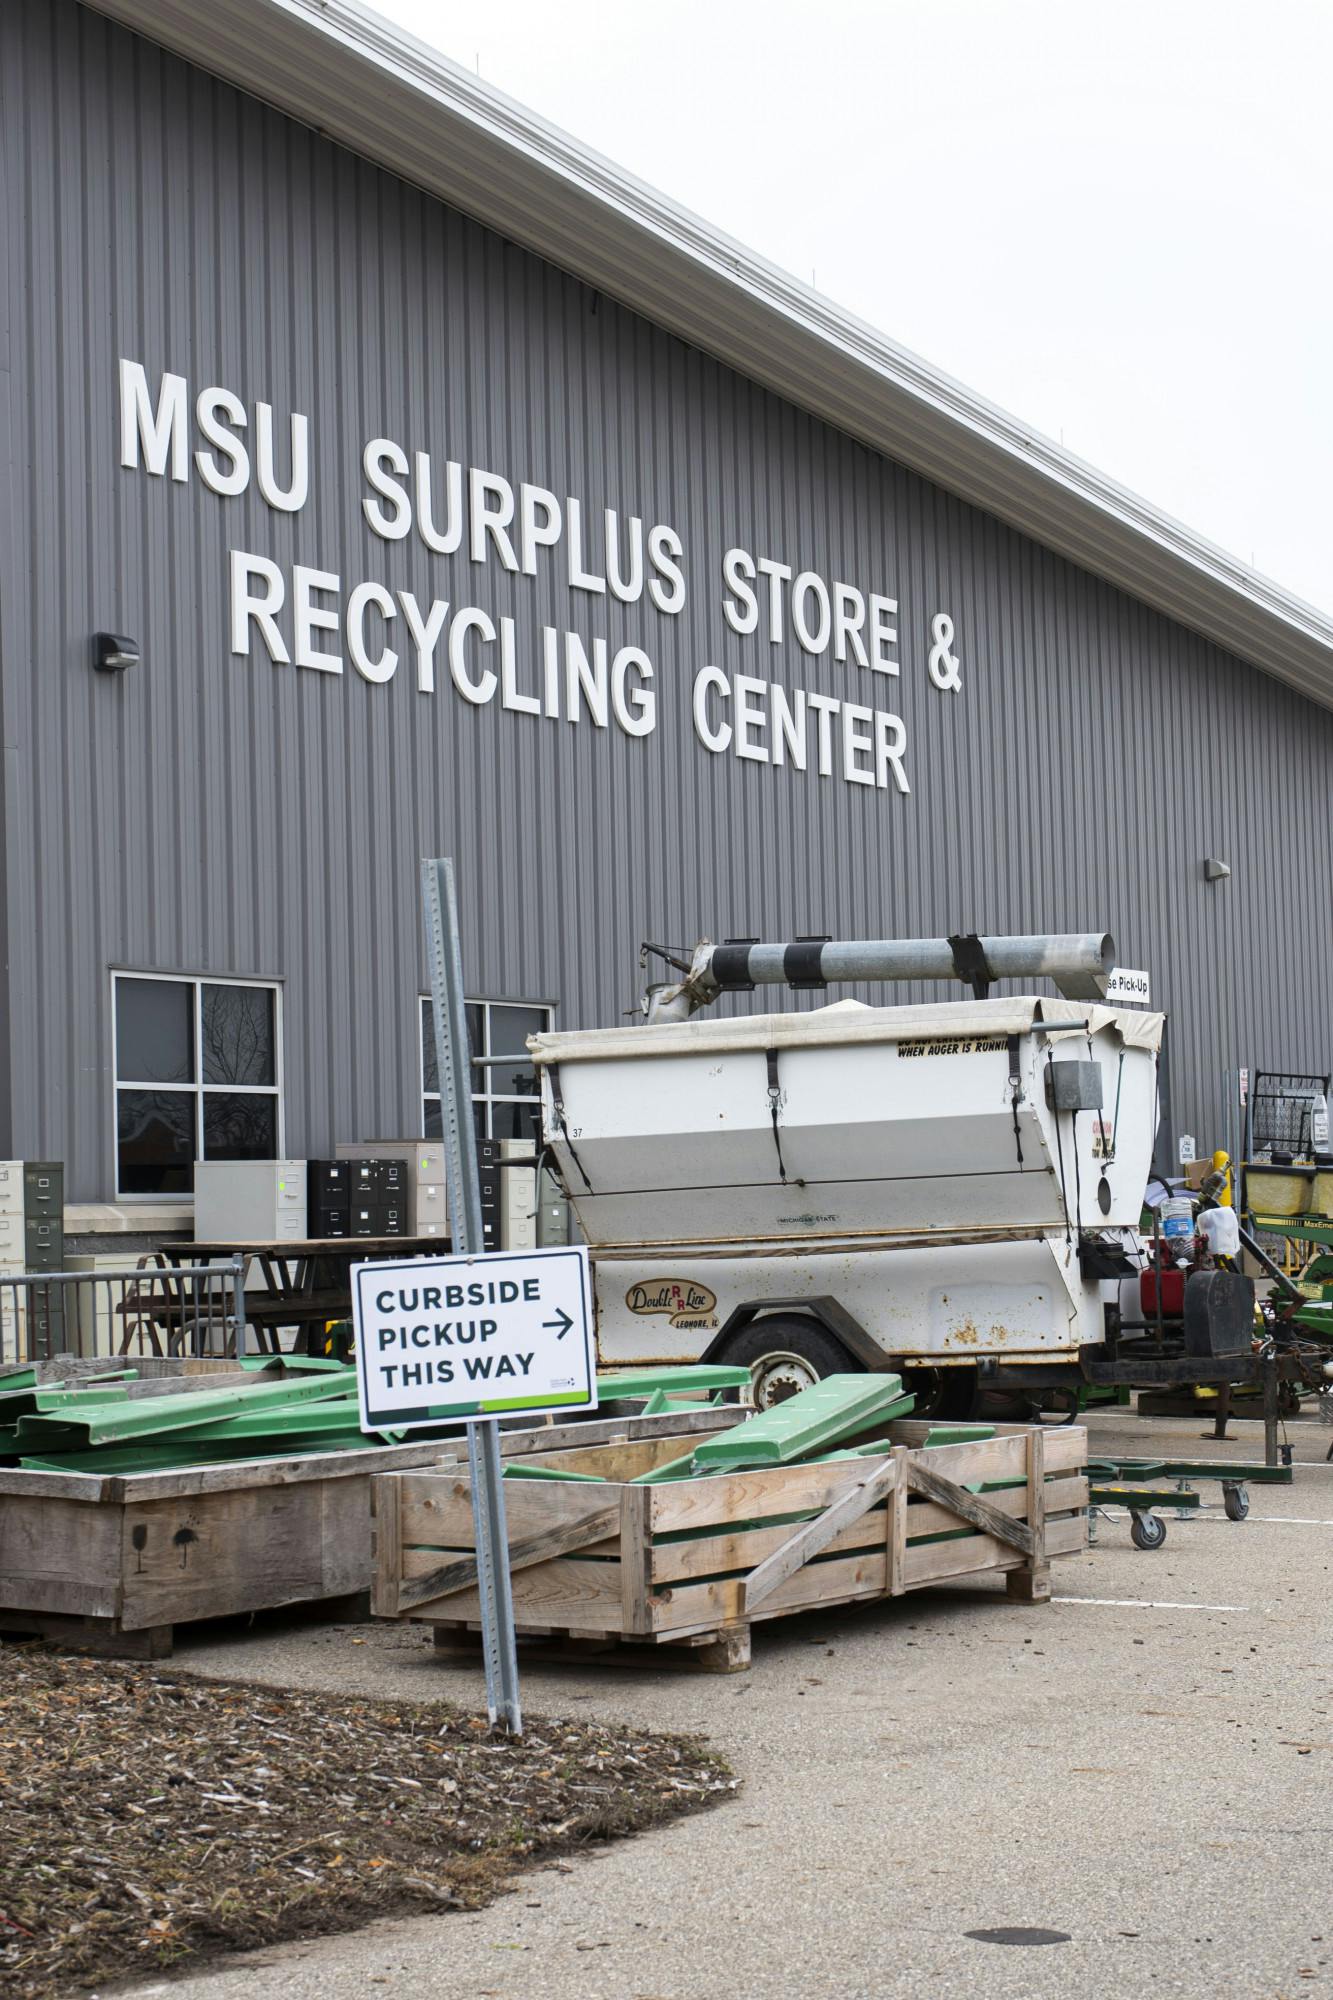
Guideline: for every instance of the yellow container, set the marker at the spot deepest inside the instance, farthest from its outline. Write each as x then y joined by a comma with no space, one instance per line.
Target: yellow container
1280,1190
1321,1200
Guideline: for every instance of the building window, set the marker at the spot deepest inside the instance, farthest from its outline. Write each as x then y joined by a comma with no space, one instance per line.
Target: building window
198,1077
504,1095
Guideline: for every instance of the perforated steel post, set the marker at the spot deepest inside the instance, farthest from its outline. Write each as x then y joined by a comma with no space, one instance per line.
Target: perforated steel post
444,955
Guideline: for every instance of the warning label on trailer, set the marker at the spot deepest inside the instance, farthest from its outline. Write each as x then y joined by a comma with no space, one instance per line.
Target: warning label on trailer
442,1337
956,1045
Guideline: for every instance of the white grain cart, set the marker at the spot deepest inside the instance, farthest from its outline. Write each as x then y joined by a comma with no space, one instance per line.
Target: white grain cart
939,1189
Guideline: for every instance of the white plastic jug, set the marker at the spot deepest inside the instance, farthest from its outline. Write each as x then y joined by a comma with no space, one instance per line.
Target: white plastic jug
1177,1223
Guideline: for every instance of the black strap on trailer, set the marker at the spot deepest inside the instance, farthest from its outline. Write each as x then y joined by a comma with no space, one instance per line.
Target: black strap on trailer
969,963
558,1099
1015,1092
774,1105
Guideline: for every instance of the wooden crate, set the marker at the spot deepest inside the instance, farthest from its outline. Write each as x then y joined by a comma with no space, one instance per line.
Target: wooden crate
113,1562
699,1561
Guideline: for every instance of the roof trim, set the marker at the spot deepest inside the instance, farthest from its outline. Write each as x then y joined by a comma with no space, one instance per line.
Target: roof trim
366,84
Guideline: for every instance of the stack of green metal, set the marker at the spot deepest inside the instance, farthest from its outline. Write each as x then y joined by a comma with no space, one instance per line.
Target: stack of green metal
111,1423
822,1423
99,1426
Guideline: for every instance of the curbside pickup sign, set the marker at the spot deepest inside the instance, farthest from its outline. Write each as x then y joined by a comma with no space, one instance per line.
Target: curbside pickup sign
463,1337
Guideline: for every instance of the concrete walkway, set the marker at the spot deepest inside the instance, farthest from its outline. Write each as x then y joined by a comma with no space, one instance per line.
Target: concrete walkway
1146,1765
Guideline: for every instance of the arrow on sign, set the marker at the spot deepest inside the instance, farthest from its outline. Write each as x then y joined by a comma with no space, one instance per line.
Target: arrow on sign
564,1323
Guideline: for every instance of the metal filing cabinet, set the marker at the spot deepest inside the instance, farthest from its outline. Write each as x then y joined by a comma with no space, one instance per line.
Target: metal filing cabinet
250,1201
329,1197
378,1200
11,1215
11,1253
518,1196
412,1179
552,1211
44,1250
489,1175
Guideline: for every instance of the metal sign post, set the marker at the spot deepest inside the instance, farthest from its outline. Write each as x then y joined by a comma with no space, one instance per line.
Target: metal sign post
444,954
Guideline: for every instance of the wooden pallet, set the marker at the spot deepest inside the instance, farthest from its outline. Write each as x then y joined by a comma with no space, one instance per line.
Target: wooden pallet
112,1563
701,1561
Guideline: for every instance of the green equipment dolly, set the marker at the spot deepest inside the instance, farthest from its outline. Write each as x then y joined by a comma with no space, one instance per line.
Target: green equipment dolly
1146,1484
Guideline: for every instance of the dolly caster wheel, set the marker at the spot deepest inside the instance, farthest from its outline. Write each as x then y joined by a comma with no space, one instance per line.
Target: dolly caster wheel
1236,1501
1147,1531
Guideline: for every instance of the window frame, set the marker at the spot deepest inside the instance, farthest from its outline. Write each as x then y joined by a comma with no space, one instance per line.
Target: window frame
484,1096
198,1089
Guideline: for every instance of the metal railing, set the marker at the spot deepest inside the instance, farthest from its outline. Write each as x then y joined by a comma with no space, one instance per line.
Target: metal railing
153,1308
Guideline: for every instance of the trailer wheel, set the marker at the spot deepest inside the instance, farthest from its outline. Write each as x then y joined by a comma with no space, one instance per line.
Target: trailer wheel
1147,1531
785,1353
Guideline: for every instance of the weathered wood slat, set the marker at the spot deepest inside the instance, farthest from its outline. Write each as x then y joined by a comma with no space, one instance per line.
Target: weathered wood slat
561,1538
746,1496
567,1592
940,1562
386,1501
636,1551
815,1535
968,1506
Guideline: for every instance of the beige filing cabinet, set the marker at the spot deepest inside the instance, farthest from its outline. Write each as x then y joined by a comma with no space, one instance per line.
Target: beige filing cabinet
249,1201
12,1252
427,1203
518,1196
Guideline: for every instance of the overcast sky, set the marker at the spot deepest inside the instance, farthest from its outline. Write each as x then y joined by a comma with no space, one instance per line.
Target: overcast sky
1113,220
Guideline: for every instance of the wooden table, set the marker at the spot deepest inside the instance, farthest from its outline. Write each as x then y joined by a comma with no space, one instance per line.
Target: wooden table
306,1281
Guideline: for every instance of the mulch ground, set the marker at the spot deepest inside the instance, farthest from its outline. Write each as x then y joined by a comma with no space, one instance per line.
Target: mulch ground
147,1816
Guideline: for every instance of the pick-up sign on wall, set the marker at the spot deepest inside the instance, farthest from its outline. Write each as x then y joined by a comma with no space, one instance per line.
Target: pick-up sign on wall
443,1337
1125,987
461,521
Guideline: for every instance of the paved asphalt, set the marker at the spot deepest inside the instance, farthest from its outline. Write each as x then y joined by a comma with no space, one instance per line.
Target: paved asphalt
1146,1765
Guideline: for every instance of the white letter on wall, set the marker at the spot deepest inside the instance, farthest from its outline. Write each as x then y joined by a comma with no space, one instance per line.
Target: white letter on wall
706,679
248,604
664,545
384,667
379,453
161,431
534,533
207,406
635,709
736,567
477,691
425,635
890,742
310,617
293,499
492,521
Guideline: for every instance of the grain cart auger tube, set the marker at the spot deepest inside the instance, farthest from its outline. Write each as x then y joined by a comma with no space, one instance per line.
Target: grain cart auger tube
929,1189
1079,965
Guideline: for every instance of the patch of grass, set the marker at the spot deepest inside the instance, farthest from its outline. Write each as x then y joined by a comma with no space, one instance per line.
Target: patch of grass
149,1816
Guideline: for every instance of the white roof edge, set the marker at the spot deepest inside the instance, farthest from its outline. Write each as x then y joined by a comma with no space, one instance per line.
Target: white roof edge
370,86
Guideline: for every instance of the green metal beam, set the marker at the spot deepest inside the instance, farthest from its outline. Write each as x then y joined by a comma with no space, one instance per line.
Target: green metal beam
841,1406
149,1416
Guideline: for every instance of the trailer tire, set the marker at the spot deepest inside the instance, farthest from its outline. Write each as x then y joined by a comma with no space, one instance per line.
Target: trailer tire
785,1353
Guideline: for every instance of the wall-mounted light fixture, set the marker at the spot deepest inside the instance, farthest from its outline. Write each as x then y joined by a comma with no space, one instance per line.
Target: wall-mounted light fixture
1215,871
112,652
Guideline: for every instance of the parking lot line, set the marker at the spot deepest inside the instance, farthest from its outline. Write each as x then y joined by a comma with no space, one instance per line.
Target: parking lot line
1148,1604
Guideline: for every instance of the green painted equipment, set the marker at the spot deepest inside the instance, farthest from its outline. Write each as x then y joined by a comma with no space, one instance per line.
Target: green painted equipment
839,1407
112,1423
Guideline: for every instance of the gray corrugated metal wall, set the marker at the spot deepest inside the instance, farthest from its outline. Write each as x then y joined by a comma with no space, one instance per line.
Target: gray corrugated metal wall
218,814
